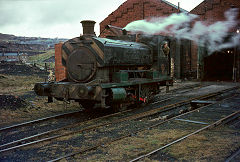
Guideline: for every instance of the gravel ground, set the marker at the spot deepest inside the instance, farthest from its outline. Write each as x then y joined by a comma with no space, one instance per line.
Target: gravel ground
81,140
218,150
181,128
12,102
32,129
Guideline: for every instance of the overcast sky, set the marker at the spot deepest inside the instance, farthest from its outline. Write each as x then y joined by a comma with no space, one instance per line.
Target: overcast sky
59,18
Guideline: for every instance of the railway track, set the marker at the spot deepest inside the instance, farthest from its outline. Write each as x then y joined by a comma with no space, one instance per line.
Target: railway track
131,117
36,128
37,120
215,124
103,144
74,112
233,156
180,90
22,142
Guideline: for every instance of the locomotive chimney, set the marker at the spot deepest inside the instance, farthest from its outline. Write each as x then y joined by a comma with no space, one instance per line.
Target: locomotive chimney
88,27
178,6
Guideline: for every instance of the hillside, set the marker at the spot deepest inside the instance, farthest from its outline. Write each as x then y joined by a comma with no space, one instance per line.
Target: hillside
29,45
7,37
43,58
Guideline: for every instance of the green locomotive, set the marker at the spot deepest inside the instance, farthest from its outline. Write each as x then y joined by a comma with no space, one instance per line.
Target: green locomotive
107,72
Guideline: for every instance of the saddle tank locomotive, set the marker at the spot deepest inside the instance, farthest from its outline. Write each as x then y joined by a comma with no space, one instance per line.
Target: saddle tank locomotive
108,73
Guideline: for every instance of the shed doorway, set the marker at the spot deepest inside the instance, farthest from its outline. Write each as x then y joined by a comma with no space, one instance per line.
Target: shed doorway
219,66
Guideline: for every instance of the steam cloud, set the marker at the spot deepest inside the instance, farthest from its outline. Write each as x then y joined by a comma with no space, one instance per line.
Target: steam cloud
186,26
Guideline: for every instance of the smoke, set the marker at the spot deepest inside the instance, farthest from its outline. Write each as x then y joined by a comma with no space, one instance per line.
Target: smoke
186,26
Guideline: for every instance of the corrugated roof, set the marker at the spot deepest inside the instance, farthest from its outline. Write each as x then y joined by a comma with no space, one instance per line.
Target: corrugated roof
181,9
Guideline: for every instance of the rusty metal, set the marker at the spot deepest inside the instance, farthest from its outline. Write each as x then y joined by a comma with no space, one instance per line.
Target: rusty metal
88,27
115,30
81,65
88,58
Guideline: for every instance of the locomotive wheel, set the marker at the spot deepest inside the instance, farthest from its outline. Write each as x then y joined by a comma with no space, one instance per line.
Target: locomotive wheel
148,92
145,93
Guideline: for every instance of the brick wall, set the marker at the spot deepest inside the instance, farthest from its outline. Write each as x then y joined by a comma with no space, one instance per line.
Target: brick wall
133,10
60,70
211,11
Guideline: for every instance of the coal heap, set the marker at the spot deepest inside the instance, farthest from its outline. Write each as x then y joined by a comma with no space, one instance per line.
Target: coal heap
21,70
11,102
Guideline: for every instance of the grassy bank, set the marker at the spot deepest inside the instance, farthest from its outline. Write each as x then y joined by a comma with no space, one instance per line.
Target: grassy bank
40,58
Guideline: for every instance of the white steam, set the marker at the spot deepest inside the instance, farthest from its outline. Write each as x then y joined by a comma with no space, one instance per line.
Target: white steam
186,26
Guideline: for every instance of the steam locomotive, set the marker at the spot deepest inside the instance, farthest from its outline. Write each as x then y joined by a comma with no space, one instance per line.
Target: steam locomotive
109,73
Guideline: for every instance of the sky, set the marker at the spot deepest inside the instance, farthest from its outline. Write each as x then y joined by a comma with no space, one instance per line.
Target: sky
59,18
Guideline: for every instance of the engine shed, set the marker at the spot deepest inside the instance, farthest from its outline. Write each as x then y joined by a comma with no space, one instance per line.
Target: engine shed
188,59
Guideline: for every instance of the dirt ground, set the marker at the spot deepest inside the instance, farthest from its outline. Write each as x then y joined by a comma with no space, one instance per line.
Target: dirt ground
17,99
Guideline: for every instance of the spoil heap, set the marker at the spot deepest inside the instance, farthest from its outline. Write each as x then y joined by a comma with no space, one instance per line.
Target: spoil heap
11,102
21,70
